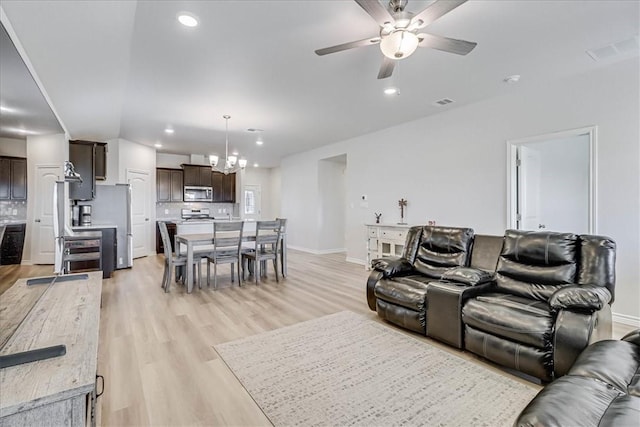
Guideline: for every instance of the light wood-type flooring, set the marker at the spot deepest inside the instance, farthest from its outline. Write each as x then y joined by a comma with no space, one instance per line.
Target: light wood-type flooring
156,349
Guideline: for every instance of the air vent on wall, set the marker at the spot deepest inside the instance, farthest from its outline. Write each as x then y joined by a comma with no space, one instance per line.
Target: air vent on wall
442,102
611,51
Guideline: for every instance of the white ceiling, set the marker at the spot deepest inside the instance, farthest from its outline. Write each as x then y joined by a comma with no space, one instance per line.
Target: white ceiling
128,69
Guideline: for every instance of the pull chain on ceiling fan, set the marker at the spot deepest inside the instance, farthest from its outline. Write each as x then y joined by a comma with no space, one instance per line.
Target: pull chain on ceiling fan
399,36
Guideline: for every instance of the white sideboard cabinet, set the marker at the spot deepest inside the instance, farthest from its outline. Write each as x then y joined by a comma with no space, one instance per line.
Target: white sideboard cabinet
385,240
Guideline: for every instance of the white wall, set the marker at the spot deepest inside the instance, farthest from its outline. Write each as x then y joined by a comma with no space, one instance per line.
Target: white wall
13,147
332,204
40,150
452,167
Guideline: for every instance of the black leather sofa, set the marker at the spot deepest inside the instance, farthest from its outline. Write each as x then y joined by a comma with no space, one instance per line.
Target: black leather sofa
530,301
601,389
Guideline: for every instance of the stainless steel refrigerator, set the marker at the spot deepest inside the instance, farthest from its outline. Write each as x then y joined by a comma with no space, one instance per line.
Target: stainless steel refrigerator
112,205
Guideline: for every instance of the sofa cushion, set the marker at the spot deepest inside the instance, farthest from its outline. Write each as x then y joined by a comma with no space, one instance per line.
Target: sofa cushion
623,411
441,248
613,362
535,265
569,401
516,318
406,291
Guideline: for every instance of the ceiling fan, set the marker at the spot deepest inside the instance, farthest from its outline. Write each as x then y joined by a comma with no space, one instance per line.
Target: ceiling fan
399,36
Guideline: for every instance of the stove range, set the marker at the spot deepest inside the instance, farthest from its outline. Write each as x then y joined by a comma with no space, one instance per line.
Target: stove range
195,214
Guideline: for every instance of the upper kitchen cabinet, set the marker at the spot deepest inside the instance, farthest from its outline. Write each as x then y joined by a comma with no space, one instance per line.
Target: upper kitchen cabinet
90,161
13,178
197,176
224,187
169,183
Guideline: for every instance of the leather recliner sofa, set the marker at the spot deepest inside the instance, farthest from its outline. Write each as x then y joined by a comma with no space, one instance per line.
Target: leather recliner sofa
531,301
601,389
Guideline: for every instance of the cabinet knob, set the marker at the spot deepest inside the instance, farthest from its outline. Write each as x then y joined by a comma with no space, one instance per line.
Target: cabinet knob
37,220
146,219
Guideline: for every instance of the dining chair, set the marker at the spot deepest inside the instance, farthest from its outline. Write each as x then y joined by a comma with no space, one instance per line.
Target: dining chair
266,247
281,246
227,246
172,261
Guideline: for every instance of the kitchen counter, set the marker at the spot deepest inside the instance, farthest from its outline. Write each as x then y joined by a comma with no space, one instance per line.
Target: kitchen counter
92,227
13,221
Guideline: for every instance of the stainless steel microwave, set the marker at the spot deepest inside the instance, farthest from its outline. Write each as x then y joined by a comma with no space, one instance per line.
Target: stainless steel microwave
198,194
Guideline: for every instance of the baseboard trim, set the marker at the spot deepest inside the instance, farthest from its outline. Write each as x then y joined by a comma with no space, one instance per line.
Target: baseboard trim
26,262
316,251
356,261
626,319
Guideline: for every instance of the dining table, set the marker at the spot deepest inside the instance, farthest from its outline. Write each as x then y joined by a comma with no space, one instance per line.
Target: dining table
194,241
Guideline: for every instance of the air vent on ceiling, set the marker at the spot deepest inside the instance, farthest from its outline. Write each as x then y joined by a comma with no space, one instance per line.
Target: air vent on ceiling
611,51
443,101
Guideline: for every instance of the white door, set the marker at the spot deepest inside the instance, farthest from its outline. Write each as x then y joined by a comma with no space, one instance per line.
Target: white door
252,202
42,237
529,185
140,224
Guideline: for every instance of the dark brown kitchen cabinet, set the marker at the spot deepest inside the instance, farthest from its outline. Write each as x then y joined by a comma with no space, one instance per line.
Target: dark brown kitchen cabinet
197,176
224,187
169,185
12,244
101,161
13,178
82,155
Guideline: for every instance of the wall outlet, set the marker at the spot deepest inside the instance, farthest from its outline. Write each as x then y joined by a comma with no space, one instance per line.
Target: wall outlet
120,260
166,211
15,212
219,210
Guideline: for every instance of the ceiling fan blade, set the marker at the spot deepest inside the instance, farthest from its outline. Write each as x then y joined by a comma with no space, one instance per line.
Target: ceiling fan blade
446,44
350,45
434,11
386,69
377,11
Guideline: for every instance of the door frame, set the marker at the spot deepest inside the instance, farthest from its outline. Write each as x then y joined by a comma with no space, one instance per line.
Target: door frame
512,187
151,217
35,232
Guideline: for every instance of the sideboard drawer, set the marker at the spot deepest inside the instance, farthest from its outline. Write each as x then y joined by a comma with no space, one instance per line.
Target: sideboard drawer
400,235
373,232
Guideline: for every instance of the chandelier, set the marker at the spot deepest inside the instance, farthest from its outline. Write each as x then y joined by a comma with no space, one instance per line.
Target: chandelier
231,163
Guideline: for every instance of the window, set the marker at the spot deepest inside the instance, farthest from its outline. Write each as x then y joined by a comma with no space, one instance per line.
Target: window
249,202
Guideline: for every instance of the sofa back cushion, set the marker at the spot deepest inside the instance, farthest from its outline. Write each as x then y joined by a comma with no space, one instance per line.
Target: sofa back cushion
597,262
442,248
535,264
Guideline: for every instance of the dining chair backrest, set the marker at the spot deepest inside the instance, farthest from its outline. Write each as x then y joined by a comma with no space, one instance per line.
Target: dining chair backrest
283,225
166,241
227,236
267,232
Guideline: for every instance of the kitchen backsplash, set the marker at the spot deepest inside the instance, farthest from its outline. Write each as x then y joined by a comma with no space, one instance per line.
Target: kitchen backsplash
171,210
13,210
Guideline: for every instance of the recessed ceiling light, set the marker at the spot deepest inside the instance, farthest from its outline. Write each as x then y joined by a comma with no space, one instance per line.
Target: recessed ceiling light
259,142
169,131
391,91
235,153
255,165
512,79
157,145
187,19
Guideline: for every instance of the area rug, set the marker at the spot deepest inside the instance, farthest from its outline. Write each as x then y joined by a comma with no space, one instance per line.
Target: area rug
344,369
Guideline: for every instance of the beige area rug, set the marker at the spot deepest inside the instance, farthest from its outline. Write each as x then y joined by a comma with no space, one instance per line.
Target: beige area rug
344,369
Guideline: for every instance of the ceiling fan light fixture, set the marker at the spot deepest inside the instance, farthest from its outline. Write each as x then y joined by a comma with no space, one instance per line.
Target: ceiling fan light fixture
399,44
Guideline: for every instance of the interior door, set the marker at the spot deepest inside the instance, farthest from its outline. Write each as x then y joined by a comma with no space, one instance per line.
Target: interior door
529,185
140,217
42,236
252,202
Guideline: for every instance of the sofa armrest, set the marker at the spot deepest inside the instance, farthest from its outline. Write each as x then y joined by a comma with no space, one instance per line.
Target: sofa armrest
633,337
468,276
587,297
392,266
373,279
